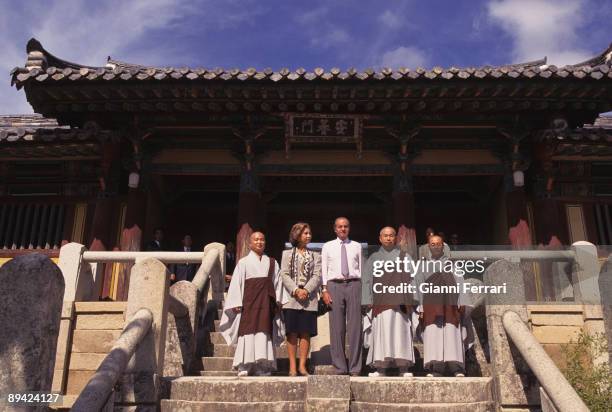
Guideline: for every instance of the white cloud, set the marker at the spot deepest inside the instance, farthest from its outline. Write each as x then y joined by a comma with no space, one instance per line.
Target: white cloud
322,32
332,38
411,57
542,28
87,32
390,20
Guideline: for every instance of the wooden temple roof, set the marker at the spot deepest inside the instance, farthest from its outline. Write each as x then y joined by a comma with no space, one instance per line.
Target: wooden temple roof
31,136
42,66
75,93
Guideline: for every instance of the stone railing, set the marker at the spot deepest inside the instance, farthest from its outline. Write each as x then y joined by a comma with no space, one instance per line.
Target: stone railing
524,375
161,322
556,393
582,255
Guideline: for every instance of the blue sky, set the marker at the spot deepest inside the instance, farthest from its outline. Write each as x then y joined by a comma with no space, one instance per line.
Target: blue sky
276,34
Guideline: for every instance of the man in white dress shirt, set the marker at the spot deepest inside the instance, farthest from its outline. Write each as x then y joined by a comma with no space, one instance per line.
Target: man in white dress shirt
341,291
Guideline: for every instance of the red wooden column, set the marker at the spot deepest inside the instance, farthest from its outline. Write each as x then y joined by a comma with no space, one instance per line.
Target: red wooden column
403,197
131,235
106,208
250,211
550,222
101,234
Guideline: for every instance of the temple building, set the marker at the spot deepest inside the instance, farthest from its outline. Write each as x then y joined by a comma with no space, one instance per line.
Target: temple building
509,155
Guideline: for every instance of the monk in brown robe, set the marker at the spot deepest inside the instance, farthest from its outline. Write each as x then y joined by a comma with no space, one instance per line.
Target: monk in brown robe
250,312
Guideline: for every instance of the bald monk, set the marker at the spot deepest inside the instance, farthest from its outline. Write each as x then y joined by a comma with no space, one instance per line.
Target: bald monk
387,325
250,317
441,316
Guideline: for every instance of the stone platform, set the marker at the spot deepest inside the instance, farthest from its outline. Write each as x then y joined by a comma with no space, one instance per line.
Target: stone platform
338,393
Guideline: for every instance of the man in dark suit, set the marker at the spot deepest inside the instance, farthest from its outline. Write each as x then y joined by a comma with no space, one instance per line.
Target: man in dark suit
184,271
156,244
230,261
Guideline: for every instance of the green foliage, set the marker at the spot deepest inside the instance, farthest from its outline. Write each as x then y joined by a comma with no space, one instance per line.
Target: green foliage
592,382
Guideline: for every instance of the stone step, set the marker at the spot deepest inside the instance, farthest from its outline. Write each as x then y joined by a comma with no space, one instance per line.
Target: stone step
223,350
217,338
357,406
276,406
282,371
217,364
421,390
234,389
218,373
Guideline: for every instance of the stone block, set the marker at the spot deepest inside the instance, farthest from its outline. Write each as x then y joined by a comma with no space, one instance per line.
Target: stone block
100,322
250,389
217,364
336,386
518,390
100,307
421,390
325,405
556,334
77,380
552,319
424,407
184,406
94,341
31,292
85,361
593,312
556,353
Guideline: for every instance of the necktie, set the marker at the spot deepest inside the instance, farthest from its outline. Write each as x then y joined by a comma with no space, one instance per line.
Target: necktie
344,268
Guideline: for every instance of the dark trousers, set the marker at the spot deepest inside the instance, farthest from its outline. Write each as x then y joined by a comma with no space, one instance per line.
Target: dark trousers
345,319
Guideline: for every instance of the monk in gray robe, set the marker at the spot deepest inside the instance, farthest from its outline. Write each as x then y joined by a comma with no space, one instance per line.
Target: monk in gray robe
251,319
387,326
441,313
424,248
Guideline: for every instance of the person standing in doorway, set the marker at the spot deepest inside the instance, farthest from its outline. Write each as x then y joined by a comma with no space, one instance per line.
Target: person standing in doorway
184,271
341,291
156,244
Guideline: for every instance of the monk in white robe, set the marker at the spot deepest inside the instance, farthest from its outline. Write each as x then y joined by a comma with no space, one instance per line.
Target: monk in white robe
387,325
441,315
251,319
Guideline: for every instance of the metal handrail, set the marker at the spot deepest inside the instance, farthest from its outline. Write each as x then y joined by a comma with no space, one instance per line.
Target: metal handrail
562,394
96,393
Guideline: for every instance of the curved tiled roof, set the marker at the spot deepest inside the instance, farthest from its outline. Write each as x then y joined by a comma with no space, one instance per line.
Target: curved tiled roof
42,66
36,128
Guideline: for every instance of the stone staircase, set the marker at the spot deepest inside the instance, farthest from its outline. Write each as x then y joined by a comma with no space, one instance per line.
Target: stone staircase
217,388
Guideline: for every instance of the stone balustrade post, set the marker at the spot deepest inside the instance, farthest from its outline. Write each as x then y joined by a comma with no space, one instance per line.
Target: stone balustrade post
79,286
31,292
515,385
585,273
140,384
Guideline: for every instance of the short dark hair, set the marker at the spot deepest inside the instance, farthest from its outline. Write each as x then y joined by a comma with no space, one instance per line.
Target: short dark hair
296,232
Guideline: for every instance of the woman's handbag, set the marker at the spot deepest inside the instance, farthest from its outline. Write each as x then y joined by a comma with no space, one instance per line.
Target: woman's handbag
322,308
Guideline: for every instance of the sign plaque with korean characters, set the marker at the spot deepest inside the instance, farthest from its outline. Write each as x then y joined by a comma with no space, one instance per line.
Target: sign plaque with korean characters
323,128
